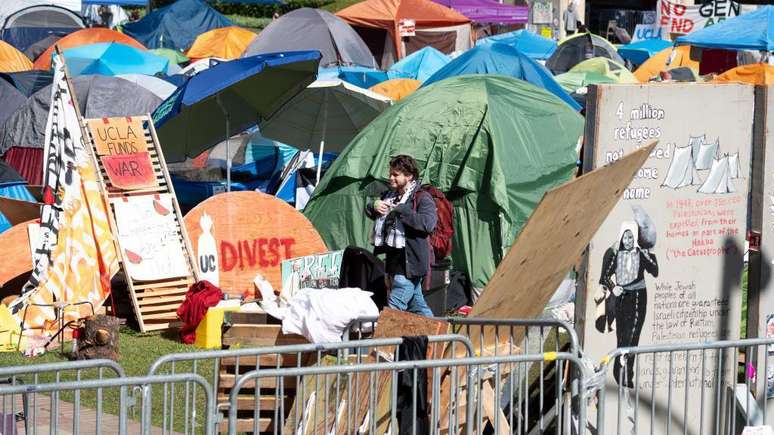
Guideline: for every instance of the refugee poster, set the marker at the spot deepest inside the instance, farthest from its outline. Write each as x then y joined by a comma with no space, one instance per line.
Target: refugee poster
666,266
149,237
674,17
312,271
762,313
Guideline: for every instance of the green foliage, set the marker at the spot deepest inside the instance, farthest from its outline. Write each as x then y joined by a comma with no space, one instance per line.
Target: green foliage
256,10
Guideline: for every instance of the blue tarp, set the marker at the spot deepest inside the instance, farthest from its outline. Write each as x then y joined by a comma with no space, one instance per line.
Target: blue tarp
177,25
750,31
640,51
505,60
534,46
419,65
357,75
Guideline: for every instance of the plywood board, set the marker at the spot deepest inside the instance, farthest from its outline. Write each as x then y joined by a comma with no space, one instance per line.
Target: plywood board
253,233
552,241
18,211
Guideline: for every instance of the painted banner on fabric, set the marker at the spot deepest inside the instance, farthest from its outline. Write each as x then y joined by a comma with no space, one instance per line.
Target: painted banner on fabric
130,171
150,238
63,152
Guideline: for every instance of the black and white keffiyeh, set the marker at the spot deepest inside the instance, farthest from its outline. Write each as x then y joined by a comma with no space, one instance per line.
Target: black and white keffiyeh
387,229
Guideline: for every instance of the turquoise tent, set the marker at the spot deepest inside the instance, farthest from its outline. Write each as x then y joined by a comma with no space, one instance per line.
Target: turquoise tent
534,46
493,144
640,51
502,59
419,65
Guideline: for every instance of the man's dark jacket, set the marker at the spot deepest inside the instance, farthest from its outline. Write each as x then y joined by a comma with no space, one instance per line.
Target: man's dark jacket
418,224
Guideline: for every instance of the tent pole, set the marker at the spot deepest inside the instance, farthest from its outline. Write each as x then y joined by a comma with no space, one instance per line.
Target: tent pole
322,138
228,143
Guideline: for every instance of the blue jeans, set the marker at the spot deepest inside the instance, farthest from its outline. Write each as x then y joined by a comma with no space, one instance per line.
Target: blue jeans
406,295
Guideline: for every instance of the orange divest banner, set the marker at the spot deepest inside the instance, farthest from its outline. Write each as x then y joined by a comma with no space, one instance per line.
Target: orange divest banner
83,261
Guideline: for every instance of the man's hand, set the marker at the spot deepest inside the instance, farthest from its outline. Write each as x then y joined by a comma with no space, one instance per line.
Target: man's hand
381,207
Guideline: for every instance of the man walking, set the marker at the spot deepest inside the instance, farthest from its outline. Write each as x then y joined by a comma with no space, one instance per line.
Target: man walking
404,216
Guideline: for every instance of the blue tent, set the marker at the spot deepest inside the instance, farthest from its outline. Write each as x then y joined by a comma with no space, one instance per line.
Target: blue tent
142,3
112,58
505,60
749,31
361,76
534,46
640,51
177,25
419,65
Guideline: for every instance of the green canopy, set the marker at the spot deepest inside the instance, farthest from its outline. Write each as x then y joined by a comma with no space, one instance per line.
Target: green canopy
173,56
571,81
493,144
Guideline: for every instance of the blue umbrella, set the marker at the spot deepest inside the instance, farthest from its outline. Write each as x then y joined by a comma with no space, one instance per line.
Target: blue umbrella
505,60
360,76
229,98
640,51
419,65
534,46
112,58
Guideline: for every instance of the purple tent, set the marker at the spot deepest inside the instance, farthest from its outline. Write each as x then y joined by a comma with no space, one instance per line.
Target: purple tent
488,11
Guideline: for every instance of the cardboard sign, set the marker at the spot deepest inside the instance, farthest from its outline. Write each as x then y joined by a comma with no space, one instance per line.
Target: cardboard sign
114,136
681,19
149,237
407,27
666,266
130,171
254,233
312,271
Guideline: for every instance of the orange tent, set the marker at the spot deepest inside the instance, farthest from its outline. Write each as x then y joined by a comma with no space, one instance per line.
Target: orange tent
225,42
429,18
13,60
754,74
396,89
92,35
658,62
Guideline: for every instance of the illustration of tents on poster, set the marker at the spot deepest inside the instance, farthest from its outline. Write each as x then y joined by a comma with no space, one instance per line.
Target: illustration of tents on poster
719,178
734,168
707,154
682,171
695,142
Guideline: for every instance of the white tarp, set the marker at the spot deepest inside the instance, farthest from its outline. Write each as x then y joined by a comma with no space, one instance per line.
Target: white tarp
9,7
682,171
718,180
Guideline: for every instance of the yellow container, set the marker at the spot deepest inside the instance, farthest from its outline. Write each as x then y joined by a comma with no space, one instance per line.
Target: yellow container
208,333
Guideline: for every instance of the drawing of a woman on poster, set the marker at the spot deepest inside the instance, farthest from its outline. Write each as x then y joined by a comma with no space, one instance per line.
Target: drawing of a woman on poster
623,274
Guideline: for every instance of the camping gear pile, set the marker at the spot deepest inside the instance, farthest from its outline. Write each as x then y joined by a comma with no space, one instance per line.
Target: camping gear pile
310,109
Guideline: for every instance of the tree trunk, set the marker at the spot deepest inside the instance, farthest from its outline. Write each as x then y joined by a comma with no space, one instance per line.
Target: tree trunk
99,338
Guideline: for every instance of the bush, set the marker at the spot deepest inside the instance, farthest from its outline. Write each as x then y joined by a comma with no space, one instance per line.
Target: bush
255,10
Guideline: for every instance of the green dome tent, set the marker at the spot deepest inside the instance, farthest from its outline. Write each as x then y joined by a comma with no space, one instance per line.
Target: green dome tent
493,144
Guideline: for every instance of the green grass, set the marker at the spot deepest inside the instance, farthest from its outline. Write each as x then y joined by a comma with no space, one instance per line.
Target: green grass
137,353
255,24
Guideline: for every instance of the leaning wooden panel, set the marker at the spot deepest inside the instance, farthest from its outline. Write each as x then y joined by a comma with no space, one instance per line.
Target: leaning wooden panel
551,242
155,302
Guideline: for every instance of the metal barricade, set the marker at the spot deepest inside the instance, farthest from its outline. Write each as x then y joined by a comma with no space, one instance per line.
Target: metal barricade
463,395
684,388
224,367
536,332
82,423
28,404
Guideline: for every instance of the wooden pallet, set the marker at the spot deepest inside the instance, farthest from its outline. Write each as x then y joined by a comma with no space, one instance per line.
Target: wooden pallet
254,329
155,303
